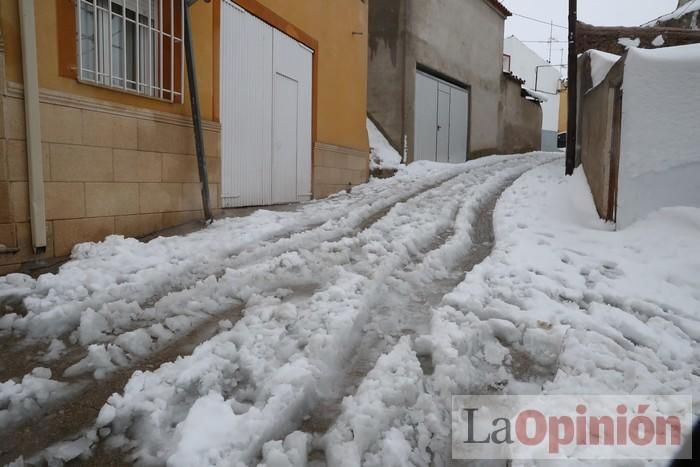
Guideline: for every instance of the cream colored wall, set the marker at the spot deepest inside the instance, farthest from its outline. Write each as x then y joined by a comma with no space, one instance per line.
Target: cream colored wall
107,170
114,163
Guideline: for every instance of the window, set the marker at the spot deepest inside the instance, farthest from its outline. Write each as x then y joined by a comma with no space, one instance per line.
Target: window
506,63
133,45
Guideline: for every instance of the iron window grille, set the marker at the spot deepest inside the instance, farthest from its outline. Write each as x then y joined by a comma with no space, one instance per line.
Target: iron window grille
132,45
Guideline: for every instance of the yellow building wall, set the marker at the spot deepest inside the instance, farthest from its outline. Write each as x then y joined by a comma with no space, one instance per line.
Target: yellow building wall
119,163
202,15
563,109
340,27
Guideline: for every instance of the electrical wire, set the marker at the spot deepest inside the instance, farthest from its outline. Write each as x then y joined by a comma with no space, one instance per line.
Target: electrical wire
540,21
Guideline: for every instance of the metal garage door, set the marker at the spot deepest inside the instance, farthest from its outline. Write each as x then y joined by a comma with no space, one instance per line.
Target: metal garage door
265,113
441,120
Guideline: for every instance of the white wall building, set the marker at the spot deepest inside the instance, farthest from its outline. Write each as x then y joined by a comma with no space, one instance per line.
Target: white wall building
541,78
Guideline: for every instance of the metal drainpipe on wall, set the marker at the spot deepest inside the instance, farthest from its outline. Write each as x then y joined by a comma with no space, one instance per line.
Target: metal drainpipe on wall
35,163
196,115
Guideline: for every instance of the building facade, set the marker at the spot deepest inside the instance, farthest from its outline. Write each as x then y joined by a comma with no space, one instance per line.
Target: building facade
436,77
109,146
541,77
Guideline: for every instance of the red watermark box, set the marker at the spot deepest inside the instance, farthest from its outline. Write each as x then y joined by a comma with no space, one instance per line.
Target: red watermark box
570,427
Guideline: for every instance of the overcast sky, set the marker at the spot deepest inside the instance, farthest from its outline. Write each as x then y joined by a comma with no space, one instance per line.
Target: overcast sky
597,12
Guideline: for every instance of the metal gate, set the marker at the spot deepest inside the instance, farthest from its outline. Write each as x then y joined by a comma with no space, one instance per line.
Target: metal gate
265,112
441,120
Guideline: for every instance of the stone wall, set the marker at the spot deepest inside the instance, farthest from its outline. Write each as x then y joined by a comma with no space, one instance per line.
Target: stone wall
520,119
598,135
108,169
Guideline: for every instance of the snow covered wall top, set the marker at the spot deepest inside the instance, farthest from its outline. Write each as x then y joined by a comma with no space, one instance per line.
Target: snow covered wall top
684,9
601,63
660,145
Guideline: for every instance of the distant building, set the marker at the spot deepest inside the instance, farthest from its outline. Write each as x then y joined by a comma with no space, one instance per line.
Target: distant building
541,77
436,87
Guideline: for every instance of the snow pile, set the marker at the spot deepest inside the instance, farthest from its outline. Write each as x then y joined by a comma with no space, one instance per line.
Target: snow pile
389,389
30,396
693,6
629,43
382,154
542,97
659,160
566,306
121,284
601,63
293,452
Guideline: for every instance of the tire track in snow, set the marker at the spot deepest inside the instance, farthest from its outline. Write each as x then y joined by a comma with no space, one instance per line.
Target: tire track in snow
77,413
380,279
73,415
373,222
23,356
406,315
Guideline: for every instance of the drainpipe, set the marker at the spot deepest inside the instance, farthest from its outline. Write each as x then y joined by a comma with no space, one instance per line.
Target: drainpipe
196,116
35,163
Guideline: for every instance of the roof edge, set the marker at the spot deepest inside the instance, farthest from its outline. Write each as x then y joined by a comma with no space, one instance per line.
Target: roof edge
499,7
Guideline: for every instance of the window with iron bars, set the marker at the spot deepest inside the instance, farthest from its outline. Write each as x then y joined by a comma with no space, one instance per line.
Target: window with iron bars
132,45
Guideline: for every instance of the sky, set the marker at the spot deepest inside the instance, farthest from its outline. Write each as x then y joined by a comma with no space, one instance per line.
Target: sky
597,12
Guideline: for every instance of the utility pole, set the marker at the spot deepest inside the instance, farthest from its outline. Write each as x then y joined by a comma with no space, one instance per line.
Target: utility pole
573,91
551,39
196,116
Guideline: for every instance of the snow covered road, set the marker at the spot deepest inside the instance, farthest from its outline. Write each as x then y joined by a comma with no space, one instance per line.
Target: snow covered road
305,279
335,334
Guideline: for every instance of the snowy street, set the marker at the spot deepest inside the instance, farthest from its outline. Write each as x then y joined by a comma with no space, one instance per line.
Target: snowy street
335,333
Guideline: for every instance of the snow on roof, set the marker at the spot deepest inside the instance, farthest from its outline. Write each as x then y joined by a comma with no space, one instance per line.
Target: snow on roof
601,63
685,56
693,5
659,159
537,95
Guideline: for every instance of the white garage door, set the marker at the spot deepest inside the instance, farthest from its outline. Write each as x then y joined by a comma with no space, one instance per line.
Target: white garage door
265,113
441,120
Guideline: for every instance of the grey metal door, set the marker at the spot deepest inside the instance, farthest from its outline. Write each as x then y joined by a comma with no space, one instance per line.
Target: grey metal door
459,124
443,124
441,120
425,118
